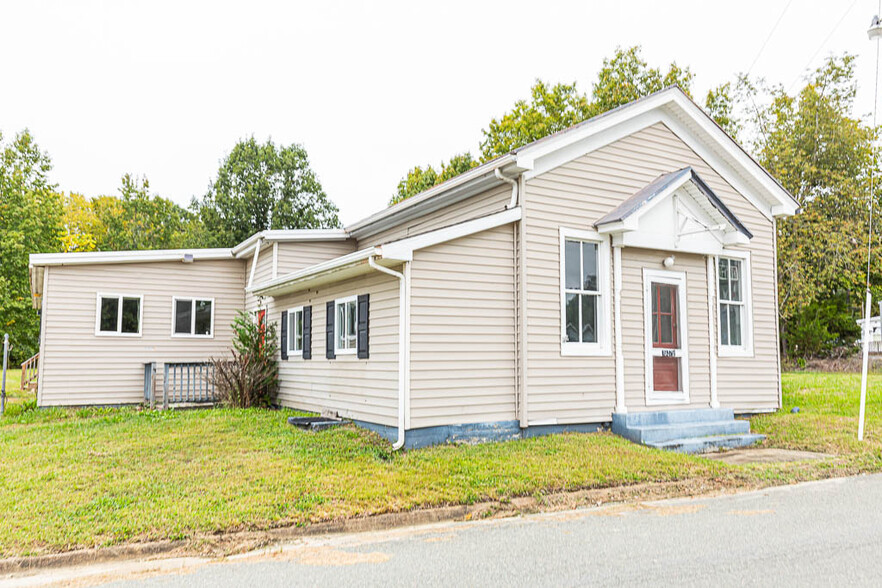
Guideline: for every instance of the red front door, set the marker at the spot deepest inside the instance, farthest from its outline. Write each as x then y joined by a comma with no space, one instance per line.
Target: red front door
665,338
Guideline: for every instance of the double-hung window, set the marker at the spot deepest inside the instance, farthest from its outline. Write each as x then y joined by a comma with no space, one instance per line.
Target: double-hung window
345,325
584,293
295,331
192,317
119,314
733,278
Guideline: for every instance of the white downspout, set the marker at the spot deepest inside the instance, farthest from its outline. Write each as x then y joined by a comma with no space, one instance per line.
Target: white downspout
257,247
617,311
514,188
711,309
403,351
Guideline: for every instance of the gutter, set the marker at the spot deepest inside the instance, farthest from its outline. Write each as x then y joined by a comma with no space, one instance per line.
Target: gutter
403,344
514,187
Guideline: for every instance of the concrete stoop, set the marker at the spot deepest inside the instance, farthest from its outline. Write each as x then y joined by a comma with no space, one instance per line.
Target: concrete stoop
686,431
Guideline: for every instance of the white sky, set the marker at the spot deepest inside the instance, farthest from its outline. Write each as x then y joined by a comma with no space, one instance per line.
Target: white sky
165,89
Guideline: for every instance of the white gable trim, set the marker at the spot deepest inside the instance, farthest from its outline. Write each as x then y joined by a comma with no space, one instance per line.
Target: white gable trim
670,107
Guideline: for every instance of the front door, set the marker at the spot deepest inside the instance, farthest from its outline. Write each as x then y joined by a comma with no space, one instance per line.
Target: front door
665,338
667,371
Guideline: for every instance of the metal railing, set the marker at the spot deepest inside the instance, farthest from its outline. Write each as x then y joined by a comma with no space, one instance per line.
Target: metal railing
30,371
182,383
189,383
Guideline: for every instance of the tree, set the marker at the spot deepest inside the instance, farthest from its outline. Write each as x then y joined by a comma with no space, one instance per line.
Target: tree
626,77
261,186
139,220
419,179
551,108
82,229
824,155
30,222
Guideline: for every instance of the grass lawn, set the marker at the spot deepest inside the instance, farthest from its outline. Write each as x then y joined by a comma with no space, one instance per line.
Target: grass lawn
77,478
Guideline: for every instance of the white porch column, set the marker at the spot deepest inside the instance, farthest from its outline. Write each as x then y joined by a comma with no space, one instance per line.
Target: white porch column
711,322
617,318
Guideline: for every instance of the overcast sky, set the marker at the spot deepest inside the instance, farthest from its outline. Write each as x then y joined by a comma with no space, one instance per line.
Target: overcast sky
165,89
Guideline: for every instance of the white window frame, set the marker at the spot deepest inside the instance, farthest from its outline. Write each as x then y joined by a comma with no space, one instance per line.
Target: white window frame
192,334
292,313
746,347
337,326
604,323
678,279
118,332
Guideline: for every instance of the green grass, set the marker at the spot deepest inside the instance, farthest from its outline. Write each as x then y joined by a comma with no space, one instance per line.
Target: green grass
91,477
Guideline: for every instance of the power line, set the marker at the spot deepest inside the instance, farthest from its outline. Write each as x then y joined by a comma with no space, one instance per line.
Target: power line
768,37
822,45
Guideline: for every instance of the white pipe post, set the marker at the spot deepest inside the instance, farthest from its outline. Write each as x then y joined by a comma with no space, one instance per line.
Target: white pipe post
3,385
866,335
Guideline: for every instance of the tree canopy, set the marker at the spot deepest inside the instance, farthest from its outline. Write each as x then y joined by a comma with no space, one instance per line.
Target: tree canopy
262,186
30,221
622,78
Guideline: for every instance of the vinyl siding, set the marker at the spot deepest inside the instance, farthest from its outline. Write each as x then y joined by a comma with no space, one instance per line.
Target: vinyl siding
577,194
361,389
463,331
81,368
488,202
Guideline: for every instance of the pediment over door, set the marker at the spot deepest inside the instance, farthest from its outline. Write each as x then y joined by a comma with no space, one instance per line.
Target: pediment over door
675,212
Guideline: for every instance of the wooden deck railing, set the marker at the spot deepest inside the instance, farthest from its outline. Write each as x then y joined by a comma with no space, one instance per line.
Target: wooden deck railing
30,370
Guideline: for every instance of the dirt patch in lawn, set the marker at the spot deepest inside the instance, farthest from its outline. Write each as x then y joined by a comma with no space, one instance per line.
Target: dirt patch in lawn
766,455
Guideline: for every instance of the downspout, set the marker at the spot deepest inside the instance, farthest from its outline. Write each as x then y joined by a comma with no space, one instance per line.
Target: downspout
403,339
257,247
514,188
617,320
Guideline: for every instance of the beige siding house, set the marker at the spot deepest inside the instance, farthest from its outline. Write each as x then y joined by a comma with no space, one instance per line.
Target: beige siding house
625,266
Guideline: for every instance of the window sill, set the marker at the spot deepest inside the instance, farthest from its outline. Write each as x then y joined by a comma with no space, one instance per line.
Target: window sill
727,351
184,336
584,350
107,334
345,351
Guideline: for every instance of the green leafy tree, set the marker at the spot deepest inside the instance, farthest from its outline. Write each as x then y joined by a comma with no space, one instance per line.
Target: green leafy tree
624,77
824,155
30,222
139,220
419,179
550,109
262,186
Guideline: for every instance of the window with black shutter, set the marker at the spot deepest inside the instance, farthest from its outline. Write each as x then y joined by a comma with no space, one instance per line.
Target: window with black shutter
283,343
329,330
307,332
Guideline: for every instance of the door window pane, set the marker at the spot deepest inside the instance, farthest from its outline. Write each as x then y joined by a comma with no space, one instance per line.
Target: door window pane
131,315
183,316
572,263
109,314
203,317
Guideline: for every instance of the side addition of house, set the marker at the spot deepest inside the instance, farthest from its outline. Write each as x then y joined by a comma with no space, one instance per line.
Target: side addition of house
625,266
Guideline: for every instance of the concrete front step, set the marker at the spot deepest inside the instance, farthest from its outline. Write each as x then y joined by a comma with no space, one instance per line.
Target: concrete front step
662,433
709,444
688,431
668,417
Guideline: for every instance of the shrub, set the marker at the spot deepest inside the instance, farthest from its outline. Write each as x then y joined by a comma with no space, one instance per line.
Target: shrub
250,377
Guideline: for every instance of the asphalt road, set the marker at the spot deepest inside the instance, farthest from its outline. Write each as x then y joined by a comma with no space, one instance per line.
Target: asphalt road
812,534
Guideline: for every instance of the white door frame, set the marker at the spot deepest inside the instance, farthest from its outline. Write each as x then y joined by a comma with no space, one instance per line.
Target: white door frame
677,279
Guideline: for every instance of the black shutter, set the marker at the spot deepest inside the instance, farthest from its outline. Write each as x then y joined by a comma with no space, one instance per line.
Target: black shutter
364,311
329,330
307,332
283,349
